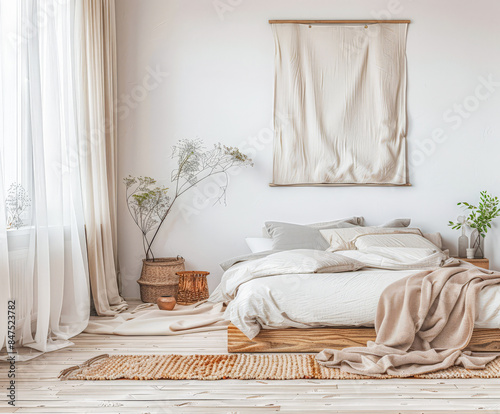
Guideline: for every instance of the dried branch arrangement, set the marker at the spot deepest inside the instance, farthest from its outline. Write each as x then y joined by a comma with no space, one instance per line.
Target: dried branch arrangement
149,204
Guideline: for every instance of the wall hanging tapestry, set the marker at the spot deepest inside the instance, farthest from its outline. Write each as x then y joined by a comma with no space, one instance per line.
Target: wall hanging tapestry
340,103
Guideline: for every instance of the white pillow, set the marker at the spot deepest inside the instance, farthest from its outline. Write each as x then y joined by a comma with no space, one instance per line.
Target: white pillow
397,258
303,261
366,241
259,244
343,239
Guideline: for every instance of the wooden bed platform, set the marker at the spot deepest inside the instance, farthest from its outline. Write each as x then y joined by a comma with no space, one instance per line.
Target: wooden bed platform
317,339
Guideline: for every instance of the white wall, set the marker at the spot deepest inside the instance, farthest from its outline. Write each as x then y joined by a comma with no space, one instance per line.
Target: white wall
220,88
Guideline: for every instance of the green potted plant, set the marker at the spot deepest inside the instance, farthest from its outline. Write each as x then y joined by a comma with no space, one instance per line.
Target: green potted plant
479,219
149,204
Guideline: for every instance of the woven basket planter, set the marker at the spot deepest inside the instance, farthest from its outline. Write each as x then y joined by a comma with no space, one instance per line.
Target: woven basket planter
193,287
159,278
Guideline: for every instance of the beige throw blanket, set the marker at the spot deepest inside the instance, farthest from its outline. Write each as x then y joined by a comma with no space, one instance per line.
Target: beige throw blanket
423,323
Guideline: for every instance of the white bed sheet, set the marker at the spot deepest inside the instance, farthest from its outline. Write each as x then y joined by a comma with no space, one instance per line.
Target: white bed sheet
334,300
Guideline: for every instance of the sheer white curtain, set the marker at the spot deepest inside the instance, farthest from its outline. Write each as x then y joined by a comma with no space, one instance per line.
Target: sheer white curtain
43,264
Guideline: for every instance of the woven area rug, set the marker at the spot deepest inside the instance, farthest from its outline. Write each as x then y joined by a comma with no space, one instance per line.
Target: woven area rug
239,366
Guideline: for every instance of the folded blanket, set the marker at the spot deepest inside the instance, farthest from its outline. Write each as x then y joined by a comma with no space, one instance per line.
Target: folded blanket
423,323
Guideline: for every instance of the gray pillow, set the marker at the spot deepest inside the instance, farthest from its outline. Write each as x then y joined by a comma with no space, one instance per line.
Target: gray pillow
288,236
405,222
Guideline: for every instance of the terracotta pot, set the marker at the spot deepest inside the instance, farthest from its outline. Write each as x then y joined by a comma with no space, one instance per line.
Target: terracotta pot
166,302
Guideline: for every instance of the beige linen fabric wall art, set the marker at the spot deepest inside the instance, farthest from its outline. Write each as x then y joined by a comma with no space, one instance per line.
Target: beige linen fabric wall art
340,104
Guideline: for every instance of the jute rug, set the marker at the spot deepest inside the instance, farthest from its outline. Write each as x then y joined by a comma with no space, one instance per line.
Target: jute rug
239,366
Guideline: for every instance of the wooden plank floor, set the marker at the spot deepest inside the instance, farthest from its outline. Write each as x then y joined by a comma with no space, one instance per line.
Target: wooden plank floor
39,390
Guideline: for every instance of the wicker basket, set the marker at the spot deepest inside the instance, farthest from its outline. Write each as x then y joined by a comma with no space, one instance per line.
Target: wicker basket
193,287
159,278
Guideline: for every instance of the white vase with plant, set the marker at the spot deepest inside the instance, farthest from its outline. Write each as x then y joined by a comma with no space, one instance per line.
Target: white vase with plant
479,219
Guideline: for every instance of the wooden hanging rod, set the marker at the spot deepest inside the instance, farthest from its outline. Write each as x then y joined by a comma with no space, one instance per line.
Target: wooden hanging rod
337,21
340,185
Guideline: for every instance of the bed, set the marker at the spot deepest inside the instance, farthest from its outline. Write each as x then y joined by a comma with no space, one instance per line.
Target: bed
306,300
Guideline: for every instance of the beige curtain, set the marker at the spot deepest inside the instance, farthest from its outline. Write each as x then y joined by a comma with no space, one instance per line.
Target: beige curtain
340,104
98,147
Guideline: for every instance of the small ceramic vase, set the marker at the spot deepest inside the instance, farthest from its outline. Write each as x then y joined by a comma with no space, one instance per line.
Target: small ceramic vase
166,302
463,240
470,253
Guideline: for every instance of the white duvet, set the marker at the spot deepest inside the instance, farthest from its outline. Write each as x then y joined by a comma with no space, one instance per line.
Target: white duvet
291,289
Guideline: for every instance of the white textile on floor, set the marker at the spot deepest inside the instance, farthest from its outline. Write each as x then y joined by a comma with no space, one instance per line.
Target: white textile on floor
147,319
